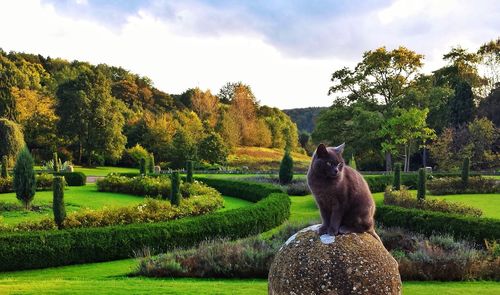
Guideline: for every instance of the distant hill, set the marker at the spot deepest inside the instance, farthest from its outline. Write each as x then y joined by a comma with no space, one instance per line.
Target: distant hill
305,118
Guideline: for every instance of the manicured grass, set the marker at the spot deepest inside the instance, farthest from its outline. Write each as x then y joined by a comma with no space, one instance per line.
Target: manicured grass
110,277
489,203
81,197
76,198
103,171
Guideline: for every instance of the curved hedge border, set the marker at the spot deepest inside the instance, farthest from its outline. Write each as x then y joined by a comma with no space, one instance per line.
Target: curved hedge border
27,250
429,222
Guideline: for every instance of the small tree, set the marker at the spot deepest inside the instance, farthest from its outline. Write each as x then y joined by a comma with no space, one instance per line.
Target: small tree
56,163
397,176
5,173
286,168
11,140
465,172
24,178
142,166
352,163
189,169
151,163
175,195
58,201
422,184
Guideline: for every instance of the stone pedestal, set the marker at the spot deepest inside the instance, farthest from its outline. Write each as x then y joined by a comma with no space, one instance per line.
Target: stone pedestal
344,264
157,169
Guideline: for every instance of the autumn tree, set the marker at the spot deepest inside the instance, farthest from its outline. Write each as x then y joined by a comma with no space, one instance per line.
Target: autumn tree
205,105
489,60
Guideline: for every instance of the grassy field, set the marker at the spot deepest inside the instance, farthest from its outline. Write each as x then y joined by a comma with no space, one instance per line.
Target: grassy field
81,197
489,203
256,158
111,277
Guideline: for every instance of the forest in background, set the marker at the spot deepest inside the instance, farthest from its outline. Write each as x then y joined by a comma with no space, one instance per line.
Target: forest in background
101,114
387,110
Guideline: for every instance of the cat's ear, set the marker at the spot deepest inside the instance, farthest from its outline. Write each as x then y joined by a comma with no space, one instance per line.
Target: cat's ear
321,151
340,149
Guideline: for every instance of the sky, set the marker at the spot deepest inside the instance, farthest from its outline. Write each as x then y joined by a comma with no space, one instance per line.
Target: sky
286,50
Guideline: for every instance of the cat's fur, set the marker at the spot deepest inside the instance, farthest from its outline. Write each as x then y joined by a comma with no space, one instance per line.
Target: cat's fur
341,193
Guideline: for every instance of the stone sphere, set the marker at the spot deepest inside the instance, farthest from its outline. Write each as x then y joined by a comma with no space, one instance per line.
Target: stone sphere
344,264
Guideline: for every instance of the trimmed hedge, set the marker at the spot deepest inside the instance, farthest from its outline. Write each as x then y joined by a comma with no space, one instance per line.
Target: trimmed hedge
73,178
455,185
26,250
428,222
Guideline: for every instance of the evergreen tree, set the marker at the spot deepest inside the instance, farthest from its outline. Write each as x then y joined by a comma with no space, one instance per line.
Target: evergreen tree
461,106
212,149
352,163
286,168
175,196
189,169
465,172
397,176
183,149
5,172
422,184
11,140
24,178
56,163
58,201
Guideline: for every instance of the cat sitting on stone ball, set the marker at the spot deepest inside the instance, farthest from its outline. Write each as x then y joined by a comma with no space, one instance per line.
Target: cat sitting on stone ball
341,193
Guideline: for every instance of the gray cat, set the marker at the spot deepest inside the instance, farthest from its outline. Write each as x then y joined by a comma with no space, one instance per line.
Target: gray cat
342,194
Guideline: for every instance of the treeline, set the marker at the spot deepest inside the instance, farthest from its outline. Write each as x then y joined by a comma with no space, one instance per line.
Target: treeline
92,114
387,110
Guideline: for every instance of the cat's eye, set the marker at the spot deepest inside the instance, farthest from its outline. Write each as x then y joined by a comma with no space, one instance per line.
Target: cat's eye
329,163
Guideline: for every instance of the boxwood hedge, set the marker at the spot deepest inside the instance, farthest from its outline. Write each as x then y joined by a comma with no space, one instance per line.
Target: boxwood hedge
429,222
25,250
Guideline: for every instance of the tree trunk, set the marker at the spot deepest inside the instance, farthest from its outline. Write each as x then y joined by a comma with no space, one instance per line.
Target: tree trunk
408,158
80,152
424,158
388,161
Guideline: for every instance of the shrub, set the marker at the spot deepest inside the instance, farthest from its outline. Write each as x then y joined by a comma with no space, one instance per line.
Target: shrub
476,185
11,140
58,201
297,188
429,222
397,176
56,163
139,185
73,178
25,250
5,172
189,169
132,156
286,168
422,184
44,181
465,171
403,198
352,163
24,178
175,195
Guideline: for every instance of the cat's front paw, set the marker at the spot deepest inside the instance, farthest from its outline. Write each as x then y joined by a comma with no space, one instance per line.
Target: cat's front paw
323,230
332,232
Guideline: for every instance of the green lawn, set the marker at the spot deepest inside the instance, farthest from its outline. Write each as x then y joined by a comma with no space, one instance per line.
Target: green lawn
81,197
489,203
110,277
103,171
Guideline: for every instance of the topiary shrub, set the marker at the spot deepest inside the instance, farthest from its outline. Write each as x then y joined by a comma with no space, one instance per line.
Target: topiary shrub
189,169
24,178
352,163
11,140
175,196
151,163
422,184
5,172
396,184
56,163
465,172
286,168
73,178
454,185
58,201
142,166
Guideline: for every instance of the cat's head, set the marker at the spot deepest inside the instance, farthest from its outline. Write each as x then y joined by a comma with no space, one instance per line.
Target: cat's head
328,162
